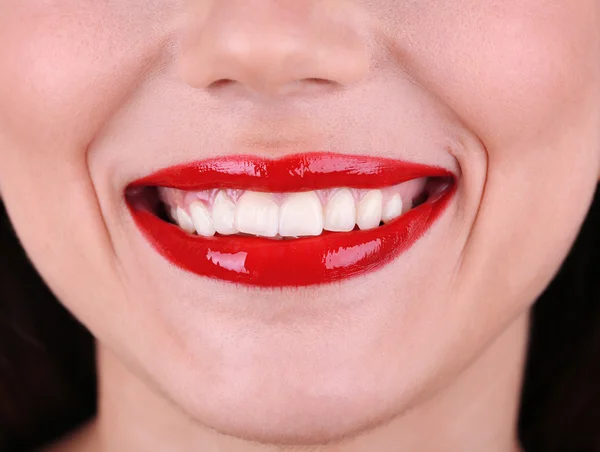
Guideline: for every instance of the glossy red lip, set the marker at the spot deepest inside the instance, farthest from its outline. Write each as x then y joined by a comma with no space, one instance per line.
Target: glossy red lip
298,262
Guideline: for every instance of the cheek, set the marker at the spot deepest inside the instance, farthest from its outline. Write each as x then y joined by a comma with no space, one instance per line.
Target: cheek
527,83
514,71
66,66
524,77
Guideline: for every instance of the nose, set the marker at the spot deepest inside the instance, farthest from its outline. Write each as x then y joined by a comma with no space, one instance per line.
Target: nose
274,46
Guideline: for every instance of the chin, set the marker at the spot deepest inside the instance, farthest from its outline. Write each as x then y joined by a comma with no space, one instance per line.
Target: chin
291,414
290,388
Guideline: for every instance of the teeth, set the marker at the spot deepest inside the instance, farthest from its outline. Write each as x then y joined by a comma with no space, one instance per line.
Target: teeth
258,214
201,218
223,214
392,208
301,215
340,212
230,211
184,220
368,213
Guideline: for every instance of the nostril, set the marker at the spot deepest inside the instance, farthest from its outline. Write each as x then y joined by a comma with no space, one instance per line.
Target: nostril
318,81
221,83
320,84
308,85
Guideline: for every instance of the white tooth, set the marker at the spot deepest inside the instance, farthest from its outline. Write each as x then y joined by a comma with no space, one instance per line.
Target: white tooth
185,221
173,213
201,218
223,214
340,212
257,213
301,214
392,208
368,212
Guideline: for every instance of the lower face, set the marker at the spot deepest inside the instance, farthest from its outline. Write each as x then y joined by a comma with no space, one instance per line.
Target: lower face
496,103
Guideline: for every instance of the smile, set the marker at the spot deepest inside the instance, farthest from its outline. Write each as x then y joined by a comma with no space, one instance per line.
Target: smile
300,220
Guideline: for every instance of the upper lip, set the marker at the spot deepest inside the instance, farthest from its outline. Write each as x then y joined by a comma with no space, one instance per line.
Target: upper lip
296,172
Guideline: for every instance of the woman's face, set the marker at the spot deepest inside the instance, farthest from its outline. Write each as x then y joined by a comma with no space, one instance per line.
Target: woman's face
505,94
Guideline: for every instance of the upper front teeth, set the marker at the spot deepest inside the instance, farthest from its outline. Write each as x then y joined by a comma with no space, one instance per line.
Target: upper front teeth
202,220
288,215
223,214
368,212
340,212
301,214
392,208
258,214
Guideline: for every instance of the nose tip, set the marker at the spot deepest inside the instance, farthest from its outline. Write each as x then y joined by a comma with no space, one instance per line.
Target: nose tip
279,46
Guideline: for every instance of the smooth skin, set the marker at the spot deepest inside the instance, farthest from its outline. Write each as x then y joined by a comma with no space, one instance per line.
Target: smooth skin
425,354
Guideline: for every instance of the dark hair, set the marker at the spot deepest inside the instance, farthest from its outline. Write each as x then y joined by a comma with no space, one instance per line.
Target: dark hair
47,376
560,406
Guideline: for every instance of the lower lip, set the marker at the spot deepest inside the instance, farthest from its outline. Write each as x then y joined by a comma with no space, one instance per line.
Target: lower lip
299,262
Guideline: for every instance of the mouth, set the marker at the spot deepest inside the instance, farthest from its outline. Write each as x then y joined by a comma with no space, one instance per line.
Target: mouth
301,220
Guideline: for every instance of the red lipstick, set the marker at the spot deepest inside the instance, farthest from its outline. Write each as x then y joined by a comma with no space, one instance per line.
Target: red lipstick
332,256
